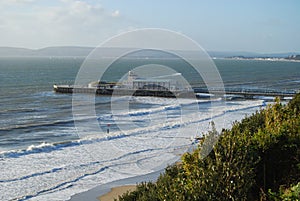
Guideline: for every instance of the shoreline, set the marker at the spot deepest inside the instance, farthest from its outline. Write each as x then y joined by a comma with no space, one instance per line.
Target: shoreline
95,193
116,192
259,59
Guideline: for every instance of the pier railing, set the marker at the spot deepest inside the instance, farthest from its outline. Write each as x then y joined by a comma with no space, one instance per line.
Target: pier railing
244,92
248,92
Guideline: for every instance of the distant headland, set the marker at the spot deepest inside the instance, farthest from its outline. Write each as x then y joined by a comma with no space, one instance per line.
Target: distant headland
80,51
294,57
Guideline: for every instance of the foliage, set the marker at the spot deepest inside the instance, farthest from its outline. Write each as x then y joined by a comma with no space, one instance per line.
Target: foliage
252,161
289,194
292,193
144,191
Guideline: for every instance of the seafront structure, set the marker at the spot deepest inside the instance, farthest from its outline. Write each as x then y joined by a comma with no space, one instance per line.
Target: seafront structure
133,85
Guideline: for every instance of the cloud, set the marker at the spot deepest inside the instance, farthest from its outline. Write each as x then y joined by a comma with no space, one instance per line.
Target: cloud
19,1
22,1
15,2
116,13
65,22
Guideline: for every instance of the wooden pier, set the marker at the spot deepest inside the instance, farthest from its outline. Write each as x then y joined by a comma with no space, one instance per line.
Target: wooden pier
247,94
123,91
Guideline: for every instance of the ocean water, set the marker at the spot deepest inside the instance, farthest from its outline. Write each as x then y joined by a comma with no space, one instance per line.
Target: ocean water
42,156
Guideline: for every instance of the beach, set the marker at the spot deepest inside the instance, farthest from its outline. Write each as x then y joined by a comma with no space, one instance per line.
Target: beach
107,191
116,192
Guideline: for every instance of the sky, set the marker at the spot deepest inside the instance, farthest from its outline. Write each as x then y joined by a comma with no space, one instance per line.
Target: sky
265,26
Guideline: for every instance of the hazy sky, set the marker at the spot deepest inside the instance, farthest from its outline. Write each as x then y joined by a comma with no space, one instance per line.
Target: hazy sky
225,25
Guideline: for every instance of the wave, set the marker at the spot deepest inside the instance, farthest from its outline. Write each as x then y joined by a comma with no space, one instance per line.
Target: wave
69,183
45,122
107,117
49,147
19,110
79,166
113,164
34,125
65,185
145,112
43,147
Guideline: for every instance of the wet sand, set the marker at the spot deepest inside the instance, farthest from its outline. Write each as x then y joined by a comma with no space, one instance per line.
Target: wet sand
116,192
93,194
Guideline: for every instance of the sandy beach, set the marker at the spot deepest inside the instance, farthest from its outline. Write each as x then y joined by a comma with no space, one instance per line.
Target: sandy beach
116,192
115,188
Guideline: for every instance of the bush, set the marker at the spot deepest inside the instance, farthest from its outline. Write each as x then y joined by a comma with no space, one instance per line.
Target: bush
251,161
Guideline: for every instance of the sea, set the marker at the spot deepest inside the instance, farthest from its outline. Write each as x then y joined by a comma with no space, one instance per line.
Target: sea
43,155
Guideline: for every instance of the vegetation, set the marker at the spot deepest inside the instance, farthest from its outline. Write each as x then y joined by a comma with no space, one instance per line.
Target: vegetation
258,159
289,194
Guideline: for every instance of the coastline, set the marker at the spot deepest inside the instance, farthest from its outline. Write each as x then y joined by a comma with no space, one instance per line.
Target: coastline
258,59
116,192
94,193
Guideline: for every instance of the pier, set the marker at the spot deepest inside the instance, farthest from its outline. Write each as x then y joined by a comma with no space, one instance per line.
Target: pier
248,93
164,92
133,86
136,86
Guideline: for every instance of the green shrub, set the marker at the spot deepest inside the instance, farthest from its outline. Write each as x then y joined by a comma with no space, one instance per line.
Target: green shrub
251,161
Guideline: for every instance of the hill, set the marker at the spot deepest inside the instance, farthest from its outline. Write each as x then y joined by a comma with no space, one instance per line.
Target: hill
76,51
258,159
45,52
219,54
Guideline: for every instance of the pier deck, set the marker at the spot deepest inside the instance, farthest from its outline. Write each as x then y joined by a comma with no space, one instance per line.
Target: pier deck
249,94
123,91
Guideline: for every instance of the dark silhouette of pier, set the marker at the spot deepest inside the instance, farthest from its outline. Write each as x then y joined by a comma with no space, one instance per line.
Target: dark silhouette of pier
248,93
239,92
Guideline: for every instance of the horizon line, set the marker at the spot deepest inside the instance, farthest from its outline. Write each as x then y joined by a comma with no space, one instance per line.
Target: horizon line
91,47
